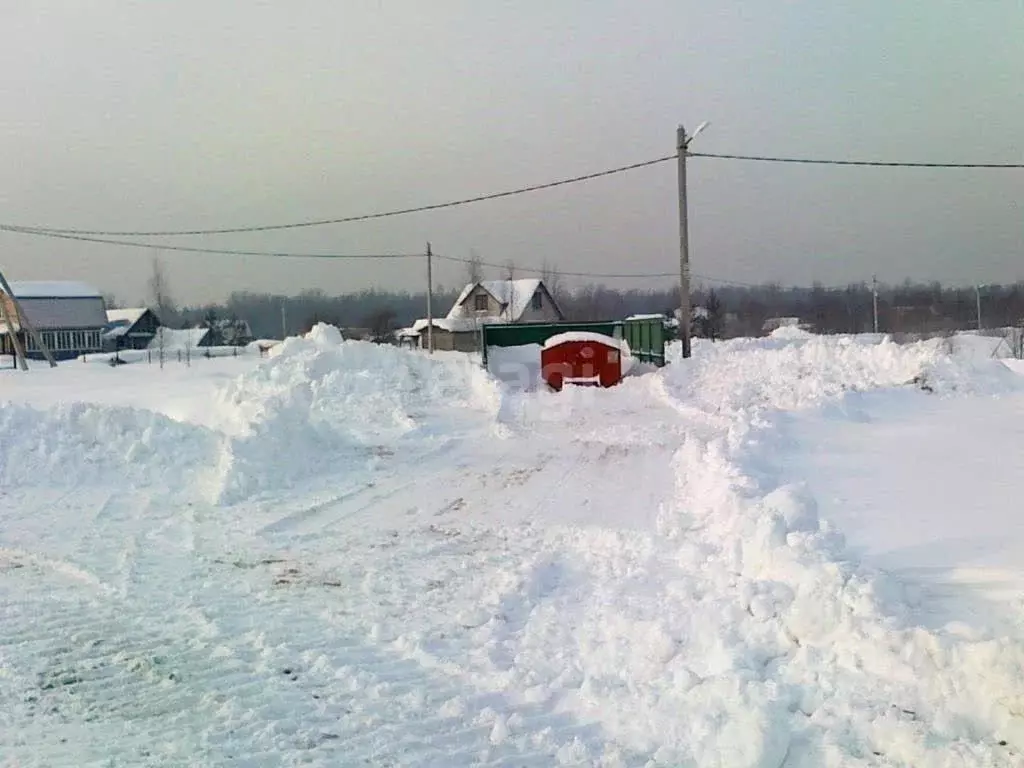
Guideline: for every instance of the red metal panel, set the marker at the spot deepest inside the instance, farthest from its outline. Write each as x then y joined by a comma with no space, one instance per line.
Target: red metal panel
588,363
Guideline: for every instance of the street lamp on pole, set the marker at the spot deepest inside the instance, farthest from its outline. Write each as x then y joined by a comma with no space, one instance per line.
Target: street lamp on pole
682,147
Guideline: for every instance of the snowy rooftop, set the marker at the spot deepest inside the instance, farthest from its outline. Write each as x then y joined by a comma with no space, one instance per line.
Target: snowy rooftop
173,338
53,289
455,324
577,336
129,316
513,295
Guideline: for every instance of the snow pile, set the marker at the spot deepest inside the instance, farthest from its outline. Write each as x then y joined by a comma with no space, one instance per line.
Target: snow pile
797,371
790,332
79,444
321,402
517,367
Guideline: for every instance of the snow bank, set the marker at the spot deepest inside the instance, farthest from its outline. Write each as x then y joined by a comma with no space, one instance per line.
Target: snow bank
317,404
82,445
517,367
321,402
797,371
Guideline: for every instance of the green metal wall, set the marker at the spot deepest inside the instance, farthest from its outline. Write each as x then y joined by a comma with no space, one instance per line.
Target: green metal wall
646,338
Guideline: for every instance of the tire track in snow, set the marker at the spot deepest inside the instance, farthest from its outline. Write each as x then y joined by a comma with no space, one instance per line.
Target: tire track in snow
248,674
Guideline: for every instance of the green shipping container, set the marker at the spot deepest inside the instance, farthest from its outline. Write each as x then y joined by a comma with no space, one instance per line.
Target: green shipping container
646,337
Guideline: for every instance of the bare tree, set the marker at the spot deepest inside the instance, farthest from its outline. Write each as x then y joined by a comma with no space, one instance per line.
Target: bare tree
510,276
382,324
474,267
715,319
552,280
159,289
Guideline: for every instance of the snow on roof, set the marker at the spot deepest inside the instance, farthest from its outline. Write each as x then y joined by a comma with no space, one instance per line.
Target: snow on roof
53,289
646,317
130,316
118,330
577,336
513,295
407,333
173,338
455,324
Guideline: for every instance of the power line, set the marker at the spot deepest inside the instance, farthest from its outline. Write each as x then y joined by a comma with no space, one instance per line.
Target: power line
27,229
600,275
219,251
866,163
345,219
294,255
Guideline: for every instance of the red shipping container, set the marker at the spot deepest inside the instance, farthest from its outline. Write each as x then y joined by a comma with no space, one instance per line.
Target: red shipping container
589,359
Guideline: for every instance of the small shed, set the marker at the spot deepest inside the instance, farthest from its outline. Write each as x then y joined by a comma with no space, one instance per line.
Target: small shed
583,358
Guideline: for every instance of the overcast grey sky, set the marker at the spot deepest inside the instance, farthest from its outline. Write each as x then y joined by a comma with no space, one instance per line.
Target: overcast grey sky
185,114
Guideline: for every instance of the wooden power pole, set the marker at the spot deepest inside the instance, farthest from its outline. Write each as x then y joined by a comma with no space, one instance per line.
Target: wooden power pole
430,300
684,245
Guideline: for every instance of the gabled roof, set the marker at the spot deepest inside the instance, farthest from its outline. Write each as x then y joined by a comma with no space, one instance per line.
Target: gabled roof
513,296
454,324
173,338
130,316
54,289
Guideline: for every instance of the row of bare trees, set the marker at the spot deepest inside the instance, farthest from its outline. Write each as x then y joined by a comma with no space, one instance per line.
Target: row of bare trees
907,307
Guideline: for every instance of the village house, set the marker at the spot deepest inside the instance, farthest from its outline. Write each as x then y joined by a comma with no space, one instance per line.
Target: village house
482,303
69,317
129,328
181,340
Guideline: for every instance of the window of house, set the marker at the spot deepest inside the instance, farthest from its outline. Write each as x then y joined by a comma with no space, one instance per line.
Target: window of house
480,302
537,300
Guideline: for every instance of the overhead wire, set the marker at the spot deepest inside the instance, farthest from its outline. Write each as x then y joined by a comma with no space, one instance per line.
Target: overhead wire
343,219
864,163
506,193
599,275
219,251
105,236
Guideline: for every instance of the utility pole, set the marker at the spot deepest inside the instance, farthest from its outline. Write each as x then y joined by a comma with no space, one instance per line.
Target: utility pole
977,296
682,147
684,245
284,321
430,300
874,299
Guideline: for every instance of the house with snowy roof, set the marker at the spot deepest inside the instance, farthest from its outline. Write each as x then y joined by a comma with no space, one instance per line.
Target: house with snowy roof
129,328
181,340
487,302
69,317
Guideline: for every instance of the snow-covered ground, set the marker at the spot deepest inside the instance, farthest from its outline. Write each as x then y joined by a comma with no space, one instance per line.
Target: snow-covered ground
347,554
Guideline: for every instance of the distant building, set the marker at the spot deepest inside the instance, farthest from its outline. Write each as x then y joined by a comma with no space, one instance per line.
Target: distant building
482,303
229,332
129,328
175,340
69,316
